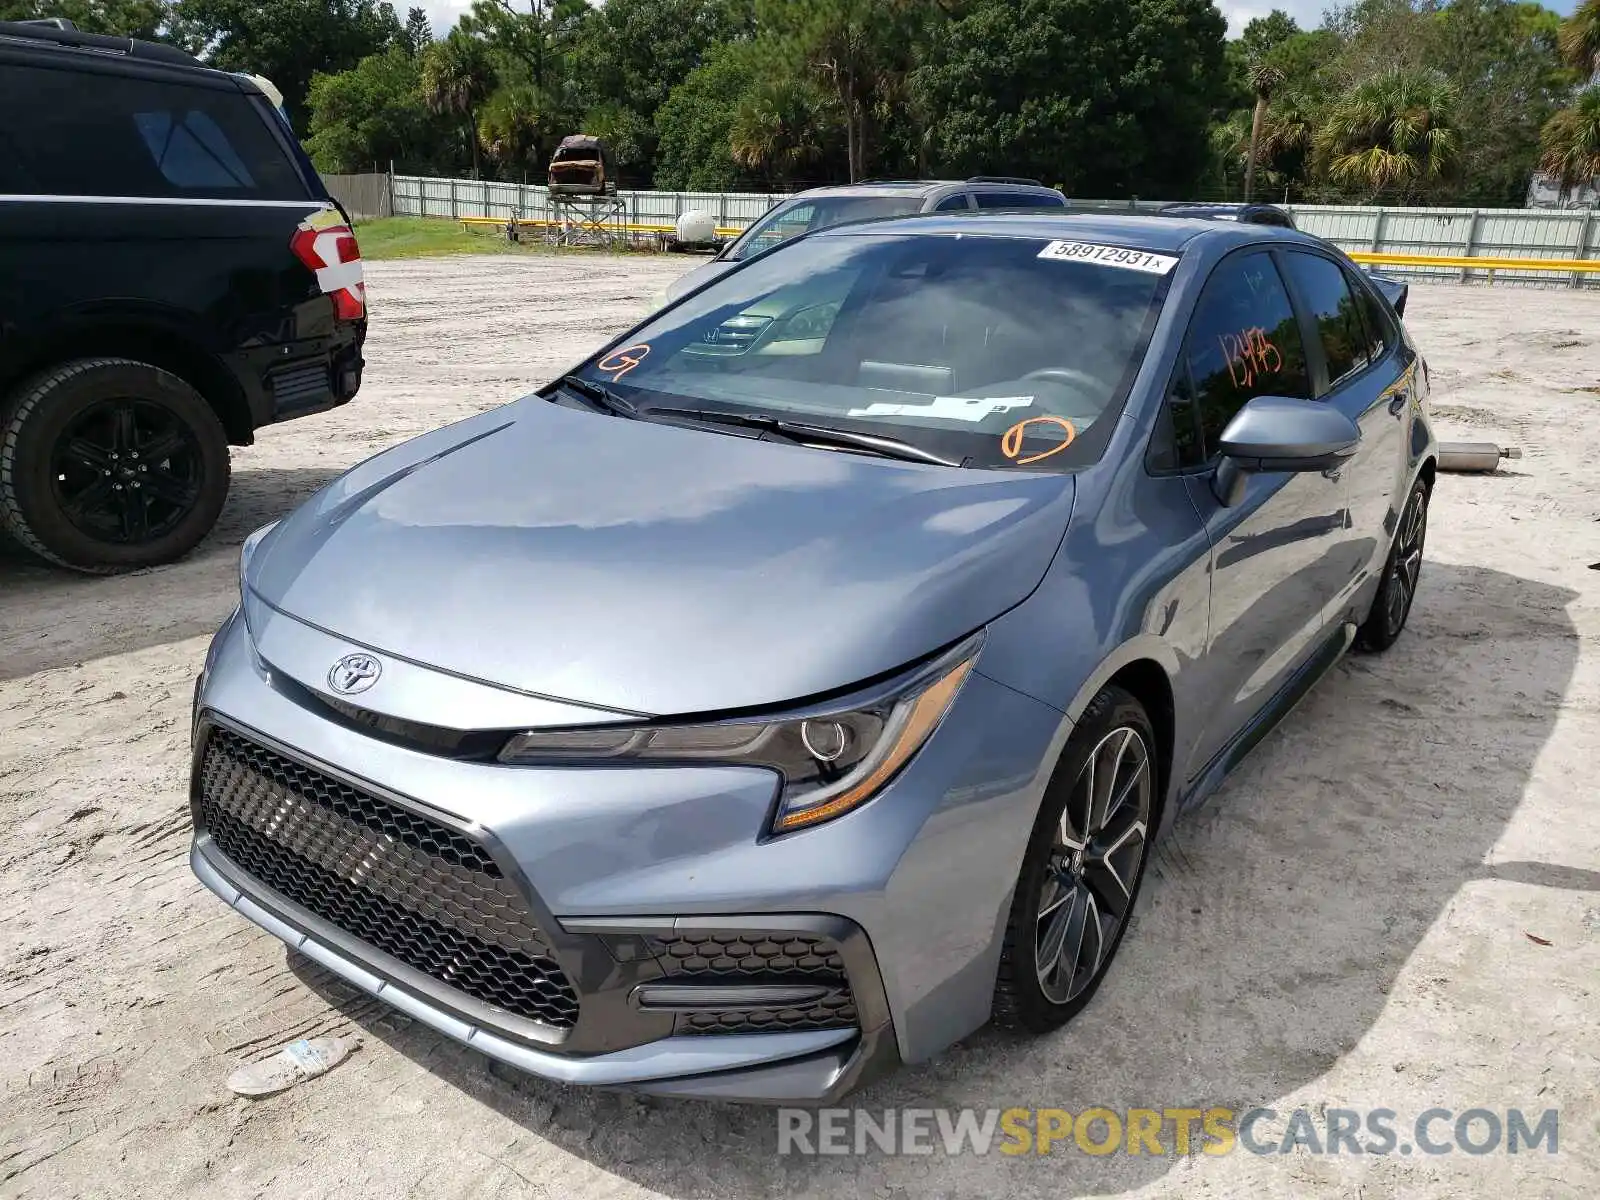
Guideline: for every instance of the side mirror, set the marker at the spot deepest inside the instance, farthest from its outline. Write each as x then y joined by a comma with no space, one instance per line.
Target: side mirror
1277,433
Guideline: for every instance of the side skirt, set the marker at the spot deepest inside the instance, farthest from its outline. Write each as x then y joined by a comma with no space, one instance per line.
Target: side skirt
1200,789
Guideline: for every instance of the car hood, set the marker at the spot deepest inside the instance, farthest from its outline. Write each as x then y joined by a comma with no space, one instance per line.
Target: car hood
656,569
689,280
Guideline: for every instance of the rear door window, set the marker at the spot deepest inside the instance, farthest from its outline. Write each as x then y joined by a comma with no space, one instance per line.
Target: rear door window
94,134
1322,287
956,203
1373,320
1243,342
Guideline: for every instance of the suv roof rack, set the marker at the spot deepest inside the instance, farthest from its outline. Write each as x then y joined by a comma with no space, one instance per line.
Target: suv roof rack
67,35
1005,179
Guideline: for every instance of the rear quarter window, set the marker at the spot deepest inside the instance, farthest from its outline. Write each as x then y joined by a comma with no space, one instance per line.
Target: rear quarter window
92,134
1019,200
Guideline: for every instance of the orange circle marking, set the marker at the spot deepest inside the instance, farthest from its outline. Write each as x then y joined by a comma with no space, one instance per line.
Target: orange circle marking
624,360
1011,440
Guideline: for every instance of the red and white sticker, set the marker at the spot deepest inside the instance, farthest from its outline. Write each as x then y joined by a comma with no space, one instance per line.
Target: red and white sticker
326,245
1110,256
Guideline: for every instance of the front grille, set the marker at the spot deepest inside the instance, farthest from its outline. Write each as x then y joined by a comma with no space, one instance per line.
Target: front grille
724,957
409,886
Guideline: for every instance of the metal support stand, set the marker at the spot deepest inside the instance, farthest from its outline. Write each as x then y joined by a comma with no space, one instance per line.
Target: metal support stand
588,221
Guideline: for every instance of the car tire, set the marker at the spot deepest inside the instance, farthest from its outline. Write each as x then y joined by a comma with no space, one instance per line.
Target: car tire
1402,571
1058,942
110,465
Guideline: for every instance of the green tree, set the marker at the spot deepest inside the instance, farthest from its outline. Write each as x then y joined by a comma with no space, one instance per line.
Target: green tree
1508,75
123,18
1571,142
631,55
777,127
1265,34
418,30
287,41
375,113
1111,97
1264,80
1580,39
694,127
512,127
1393,134
457,77
862,51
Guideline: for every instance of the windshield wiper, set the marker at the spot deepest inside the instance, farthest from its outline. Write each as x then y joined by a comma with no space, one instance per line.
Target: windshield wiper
601,398
802,432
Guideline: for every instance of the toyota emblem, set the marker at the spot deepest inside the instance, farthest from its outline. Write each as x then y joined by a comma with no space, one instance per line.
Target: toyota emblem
354,674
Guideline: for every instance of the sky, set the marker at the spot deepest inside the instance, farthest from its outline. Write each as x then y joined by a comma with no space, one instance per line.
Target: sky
1239,12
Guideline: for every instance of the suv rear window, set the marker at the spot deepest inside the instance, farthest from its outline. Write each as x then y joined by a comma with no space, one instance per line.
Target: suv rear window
1020,200
821,212
93,134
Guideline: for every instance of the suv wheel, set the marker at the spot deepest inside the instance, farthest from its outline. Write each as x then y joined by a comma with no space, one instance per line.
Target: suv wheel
109,465
1084,863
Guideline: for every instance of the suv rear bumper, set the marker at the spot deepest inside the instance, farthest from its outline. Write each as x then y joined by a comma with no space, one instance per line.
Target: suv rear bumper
296,379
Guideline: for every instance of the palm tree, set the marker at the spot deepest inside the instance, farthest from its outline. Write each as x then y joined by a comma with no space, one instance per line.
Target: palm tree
776,127
1264,80
456,77
510,125
1570,143
1580,39
1288,138
1395,131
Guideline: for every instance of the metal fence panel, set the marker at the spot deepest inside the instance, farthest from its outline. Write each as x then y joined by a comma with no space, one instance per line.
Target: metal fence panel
1439,232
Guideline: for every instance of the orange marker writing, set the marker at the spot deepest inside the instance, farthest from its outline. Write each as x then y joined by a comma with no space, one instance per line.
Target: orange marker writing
1011,440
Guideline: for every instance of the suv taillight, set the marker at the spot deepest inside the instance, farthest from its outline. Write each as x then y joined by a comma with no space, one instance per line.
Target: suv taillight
329,250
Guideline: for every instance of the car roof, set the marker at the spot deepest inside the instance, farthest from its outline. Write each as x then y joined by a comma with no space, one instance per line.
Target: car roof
920,187
1138,232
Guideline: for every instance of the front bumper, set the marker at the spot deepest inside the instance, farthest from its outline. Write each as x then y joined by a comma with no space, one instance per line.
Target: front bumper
894,910
809,1066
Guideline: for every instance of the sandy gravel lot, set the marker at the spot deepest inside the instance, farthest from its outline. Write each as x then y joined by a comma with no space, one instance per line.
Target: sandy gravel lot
1346,925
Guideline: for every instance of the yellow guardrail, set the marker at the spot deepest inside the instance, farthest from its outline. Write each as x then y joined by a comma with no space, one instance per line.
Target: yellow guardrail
1491,265
1488,265
468,223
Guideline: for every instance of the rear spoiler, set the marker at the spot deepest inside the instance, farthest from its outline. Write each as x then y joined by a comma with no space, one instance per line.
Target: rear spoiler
1395,291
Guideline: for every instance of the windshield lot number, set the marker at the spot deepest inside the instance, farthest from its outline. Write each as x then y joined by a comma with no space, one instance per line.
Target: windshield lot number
1110,256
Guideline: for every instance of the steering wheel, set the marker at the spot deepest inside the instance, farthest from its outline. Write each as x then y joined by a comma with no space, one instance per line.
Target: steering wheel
1072,378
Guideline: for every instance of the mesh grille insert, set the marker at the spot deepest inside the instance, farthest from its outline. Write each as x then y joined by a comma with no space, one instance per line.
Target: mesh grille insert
759,957
409,886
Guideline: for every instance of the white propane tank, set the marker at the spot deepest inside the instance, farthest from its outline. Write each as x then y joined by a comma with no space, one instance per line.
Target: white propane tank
697,228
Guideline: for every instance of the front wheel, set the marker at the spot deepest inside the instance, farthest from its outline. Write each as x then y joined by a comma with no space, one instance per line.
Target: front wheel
1401,573
1083,867
109,465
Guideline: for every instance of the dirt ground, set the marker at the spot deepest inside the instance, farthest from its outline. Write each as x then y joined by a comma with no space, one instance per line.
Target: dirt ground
1347,925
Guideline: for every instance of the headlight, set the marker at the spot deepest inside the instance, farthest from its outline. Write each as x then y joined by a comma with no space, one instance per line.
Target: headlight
831,761
248,551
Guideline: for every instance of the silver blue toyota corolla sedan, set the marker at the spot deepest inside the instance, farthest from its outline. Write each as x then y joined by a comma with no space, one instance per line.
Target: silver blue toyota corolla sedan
801,681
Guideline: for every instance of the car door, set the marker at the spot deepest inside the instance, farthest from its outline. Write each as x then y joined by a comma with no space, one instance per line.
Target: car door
1274,553
1356,371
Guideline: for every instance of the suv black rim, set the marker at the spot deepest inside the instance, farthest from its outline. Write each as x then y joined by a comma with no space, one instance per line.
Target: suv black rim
126,471
1095,860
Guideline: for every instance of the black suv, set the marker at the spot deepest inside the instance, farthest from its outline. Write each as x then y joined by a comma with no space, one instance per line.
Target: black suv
173,275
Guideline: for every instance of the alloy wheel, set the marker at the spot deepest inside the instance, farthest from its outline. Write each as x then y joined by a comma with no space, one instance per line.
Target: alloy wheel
126,471
1406,568
1094,864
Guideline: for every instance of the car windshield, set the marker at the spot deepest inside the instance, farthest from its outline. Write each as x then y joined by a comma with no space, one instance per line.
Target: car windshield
821,212
986,351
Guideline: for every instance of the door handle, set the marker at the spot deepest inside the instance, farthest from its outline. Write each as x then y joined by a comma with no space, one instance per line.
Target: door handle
1398,404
